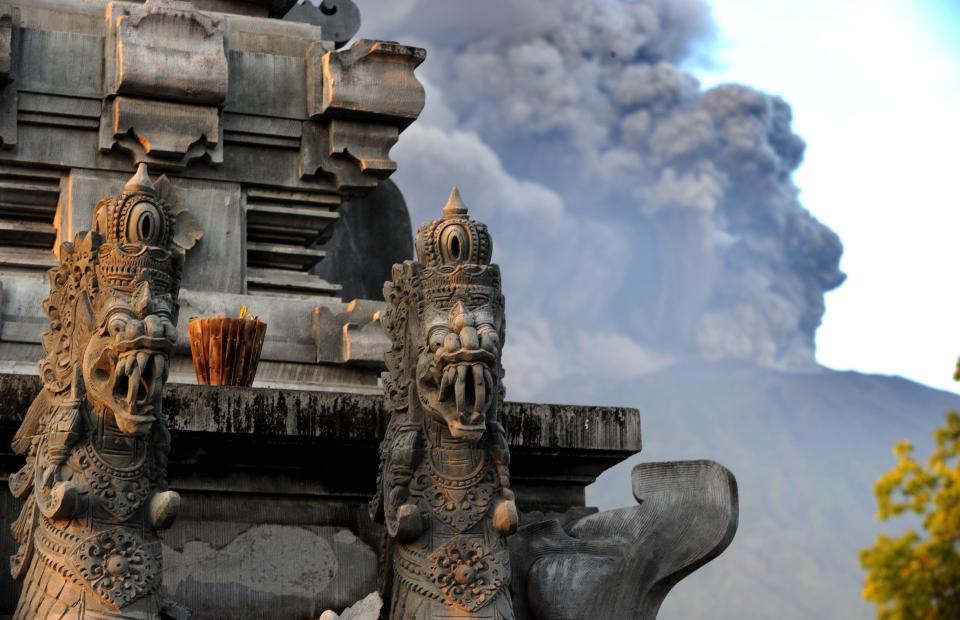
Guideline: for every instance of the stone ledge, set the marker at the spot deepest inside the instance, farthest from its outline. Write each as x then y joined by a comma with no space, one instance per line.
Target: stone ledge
352,417
324,445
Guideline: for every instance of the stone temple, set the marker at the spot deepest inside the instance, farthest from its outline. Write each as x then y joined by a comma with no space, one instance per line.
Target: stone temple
170,159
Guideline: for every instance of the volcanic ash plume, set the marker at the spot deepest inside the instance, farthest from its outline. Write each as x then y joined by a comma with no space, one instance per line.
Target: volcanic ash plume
625,197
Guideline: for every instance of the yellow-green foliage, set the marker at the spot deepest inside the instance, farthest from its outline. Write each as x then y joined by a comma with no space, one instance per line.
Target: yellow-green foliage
918,574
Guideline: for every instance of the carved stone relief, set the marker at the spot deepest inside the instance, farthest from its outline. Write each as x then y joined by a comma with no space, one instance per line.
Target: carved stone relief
166,78
96,446
444,487
359,100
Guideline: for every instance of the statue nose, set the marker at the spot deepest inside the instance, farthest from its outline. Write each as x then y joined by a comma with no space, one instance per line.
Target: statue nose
154,325
469,338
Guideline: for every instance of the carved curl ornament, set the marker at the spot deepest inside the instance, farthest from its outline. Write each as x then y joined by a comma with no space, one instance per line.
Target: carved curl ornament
444,486
96,447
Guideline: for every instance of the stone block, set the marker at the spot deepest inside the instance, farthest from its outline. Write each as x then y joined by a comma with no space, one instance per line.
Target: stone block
269,85
366,609
165,49
163,134
28,204
81,77
282,256
261,131
372,80
216,263
364,343
350,334
60,111
354,155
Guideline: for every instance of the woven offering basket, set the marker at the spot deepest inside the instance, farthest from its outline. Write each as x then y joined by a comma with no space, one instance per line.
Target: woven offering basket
226,350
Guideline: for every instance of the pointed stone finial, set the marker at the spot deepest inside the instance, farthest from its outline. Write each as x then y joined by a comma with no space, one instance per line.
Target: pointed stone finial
140,182
454,209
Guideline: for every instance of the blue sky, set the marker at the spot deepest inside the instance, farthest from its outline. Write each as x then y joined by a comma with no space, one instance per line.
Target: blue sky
875,91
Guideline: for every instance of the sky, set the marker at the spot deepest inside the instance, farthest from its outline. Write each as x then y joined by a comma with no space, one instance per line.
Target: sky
670,181
875,92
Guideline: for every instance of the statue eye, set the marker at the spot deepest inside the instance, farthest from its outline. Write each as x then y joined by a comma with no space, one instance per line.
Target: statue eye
145,224
454,244
117,323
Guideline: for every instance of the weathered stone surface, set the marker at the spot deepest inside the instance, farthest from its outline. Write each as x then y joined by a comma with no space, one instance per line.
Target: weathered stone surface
372,80
81,78
94,485
352,155
265,570
558,444
165,75
167,50
363,343
283,98
7,31
687,516
28,203
162,133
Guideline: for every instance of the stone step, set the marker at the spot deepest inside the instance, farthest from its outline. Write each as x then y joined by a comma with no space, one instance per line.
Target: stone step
282,282
282,256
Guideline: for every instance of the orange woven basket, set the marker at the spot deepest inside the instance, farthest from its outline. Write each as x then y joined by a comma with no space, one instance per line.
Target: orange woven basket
226,350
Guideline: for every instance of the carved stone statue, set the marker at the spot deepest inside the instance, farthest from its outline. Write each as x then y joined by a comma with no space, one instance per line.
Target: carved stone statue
95,484
444,486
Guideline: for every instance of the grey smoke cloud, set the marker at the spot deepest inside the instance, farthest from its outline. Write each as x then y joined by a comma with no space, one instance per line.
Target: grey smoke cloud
624,198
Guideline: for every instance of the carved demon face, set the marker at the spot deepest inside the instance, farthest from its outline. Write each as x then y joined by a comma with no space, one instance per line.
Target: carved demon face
458,373
445,319
125,363
113,308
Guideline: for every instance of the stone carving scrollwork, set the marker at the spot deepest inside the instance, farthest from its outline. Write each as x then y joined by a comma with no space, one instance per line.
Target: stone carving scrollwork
444,487
95,443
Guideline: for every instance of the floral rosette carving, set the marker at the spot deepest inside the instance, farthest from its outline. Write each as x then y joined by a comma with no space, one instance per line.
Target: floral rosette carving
466,574
118,566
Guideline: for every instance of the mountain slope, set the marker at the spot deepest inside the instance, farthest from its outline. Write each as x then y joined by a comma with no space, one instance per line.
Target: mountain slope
805,448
